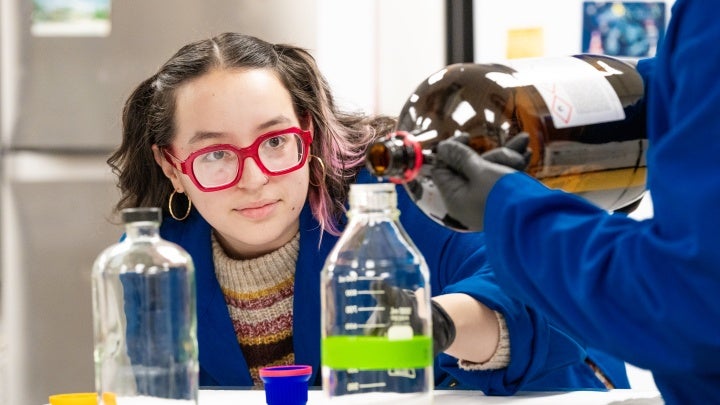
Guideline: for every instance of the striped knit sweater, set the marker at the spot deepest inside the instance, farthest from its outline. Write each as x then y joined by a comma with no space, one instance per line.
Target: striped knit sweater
259,297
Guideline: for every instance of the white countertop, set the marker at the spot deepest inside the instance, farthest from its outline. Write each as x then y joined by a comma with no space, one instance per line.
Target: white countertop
315,397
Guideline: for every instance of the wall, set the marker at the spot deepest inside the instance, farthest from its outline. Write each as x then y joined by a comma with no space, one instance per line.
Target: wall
560,22
372,52
375,53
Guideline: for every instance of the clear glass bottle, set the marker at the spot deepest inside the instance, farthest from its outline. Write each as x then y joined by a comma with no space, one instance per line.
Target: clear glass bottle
376,329
584,114
144,317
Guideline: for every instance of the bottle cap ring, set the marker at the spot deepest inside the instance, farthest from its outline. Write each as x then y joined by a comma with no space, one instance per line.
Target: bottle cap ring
286,385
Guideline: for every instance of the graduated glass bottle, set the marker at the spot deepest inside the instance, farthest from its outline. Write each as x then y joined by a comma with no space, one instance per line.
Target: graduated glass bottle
144,317
584,114
376,332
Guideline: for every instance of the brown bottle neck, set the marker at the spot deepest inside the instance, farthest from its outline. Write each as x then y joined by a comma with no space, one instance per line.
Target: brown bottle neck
396,158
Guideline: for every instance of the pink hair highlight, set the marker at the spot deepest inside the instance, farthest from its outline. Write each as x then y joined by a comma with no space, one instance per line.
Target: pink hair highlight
343,154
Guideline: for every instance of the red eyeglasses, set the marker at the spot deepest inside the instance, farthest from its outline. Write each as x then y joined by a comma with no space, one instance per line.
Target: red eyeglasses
218,167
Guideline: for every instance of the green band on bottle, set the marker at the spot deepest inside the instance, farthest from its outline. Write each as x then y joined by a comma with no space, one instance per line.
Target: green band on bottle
373,352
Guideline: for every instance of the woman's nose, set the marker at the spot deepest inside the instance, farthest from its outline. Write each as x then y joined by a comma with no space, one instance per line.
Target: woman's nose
252,175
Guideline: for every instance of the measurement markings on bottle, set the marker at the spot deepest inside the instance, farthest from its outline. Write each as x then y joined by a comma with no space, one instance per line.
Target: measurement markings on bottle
356,326
354,292
354,309
354,386
353,277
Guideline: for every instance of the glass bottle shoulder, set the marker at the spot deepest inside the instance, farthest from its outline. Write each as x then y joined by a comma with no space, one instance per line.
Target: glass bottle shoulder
140,255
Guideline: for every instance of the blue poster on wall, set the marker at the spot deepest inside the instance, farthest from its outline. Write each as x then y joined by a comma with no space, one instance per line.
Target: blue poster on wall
622,28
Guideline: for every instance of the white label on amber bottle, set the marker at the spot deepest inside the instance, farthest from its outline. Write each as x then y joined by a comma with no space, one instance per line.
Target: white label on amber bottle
574,92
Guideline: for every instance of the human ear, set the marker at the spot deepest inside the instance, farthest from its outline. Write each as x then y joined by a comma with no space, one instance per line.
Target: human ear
168,168
306,122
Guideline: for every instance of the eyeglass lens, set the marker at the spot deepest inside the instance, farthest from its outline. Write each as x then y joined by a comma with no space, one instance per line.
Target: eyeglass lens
276,154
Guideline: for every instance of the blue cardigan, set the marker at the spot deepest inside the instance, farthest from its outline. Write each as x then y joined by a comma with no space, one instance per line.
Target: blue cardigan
542,357
647,291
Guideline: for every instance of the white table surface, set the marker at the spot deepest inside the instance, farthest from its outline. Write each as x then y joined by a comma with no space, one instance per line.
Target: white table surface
315,397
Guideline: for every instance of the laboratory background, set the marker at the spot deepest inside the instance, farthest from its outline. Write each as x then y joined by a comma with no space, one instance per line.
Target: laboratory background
66,67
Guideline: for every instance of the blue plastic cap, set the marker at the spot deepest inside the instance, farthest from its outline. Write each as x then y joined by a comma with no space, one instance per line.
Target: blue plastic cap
286,385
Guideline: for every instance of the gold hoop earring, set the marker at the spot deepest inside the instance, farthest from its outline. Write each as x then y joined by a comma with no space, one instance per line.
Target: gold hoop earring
322,166
170,207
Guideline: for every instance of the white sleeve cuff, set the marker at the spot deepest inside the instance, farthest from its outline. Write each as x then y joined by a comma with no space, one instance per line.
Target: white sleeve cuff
501,357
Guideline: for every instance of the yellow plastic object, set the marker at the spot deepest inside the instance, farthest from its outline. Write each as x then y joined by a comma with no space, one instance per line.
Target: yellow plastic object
81,398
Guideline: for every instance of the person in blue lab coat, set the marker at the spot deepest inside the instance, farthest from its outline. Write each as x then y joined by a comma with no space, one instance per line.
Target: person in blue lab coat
206,138
645,291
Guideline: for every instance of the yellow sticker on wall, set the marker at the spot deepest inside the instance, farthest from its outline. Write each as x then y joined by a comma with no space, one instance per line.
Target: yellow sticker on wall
525,43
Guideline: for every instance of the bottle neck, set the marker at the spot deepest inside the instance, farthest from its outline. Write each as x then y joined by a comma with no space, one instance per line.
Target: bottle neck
374,214
397,158
373,201
142,230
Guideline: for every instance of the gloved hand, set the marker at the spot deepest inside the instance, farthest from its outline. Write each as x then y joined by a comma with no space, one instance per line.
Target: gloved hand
443,328
442,325
464,177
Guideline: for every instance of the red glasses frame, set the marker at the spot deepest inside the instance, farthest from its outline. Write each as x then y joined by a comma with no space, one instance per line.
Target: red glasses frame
186,166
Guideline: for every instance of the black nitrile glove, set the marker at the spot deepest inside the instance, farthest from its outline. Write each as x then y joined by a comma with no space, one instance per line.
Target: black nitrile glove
442,325
443,329
464,177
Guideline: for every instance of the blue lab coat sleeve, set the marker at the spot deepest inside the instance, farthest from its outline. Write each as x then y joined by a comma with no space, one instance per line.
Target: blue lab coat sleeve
542,356
645,291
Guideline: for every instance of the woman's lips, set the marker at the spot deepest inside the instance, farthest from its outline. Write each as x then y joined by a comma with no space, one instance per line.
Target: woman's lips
258,211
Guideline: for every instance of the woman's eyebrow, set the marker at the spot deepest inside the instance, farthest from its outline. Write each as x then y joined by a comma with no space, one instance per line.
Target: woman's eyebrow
273,121
203,135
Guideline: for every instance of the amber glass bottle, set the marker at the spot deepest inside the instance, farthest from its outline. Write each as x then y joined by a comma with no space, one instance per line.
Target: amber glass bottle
585,115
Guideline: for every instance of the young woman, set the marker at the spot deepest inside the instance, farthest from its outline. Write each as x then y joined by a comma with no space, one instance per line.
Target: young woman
204,138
